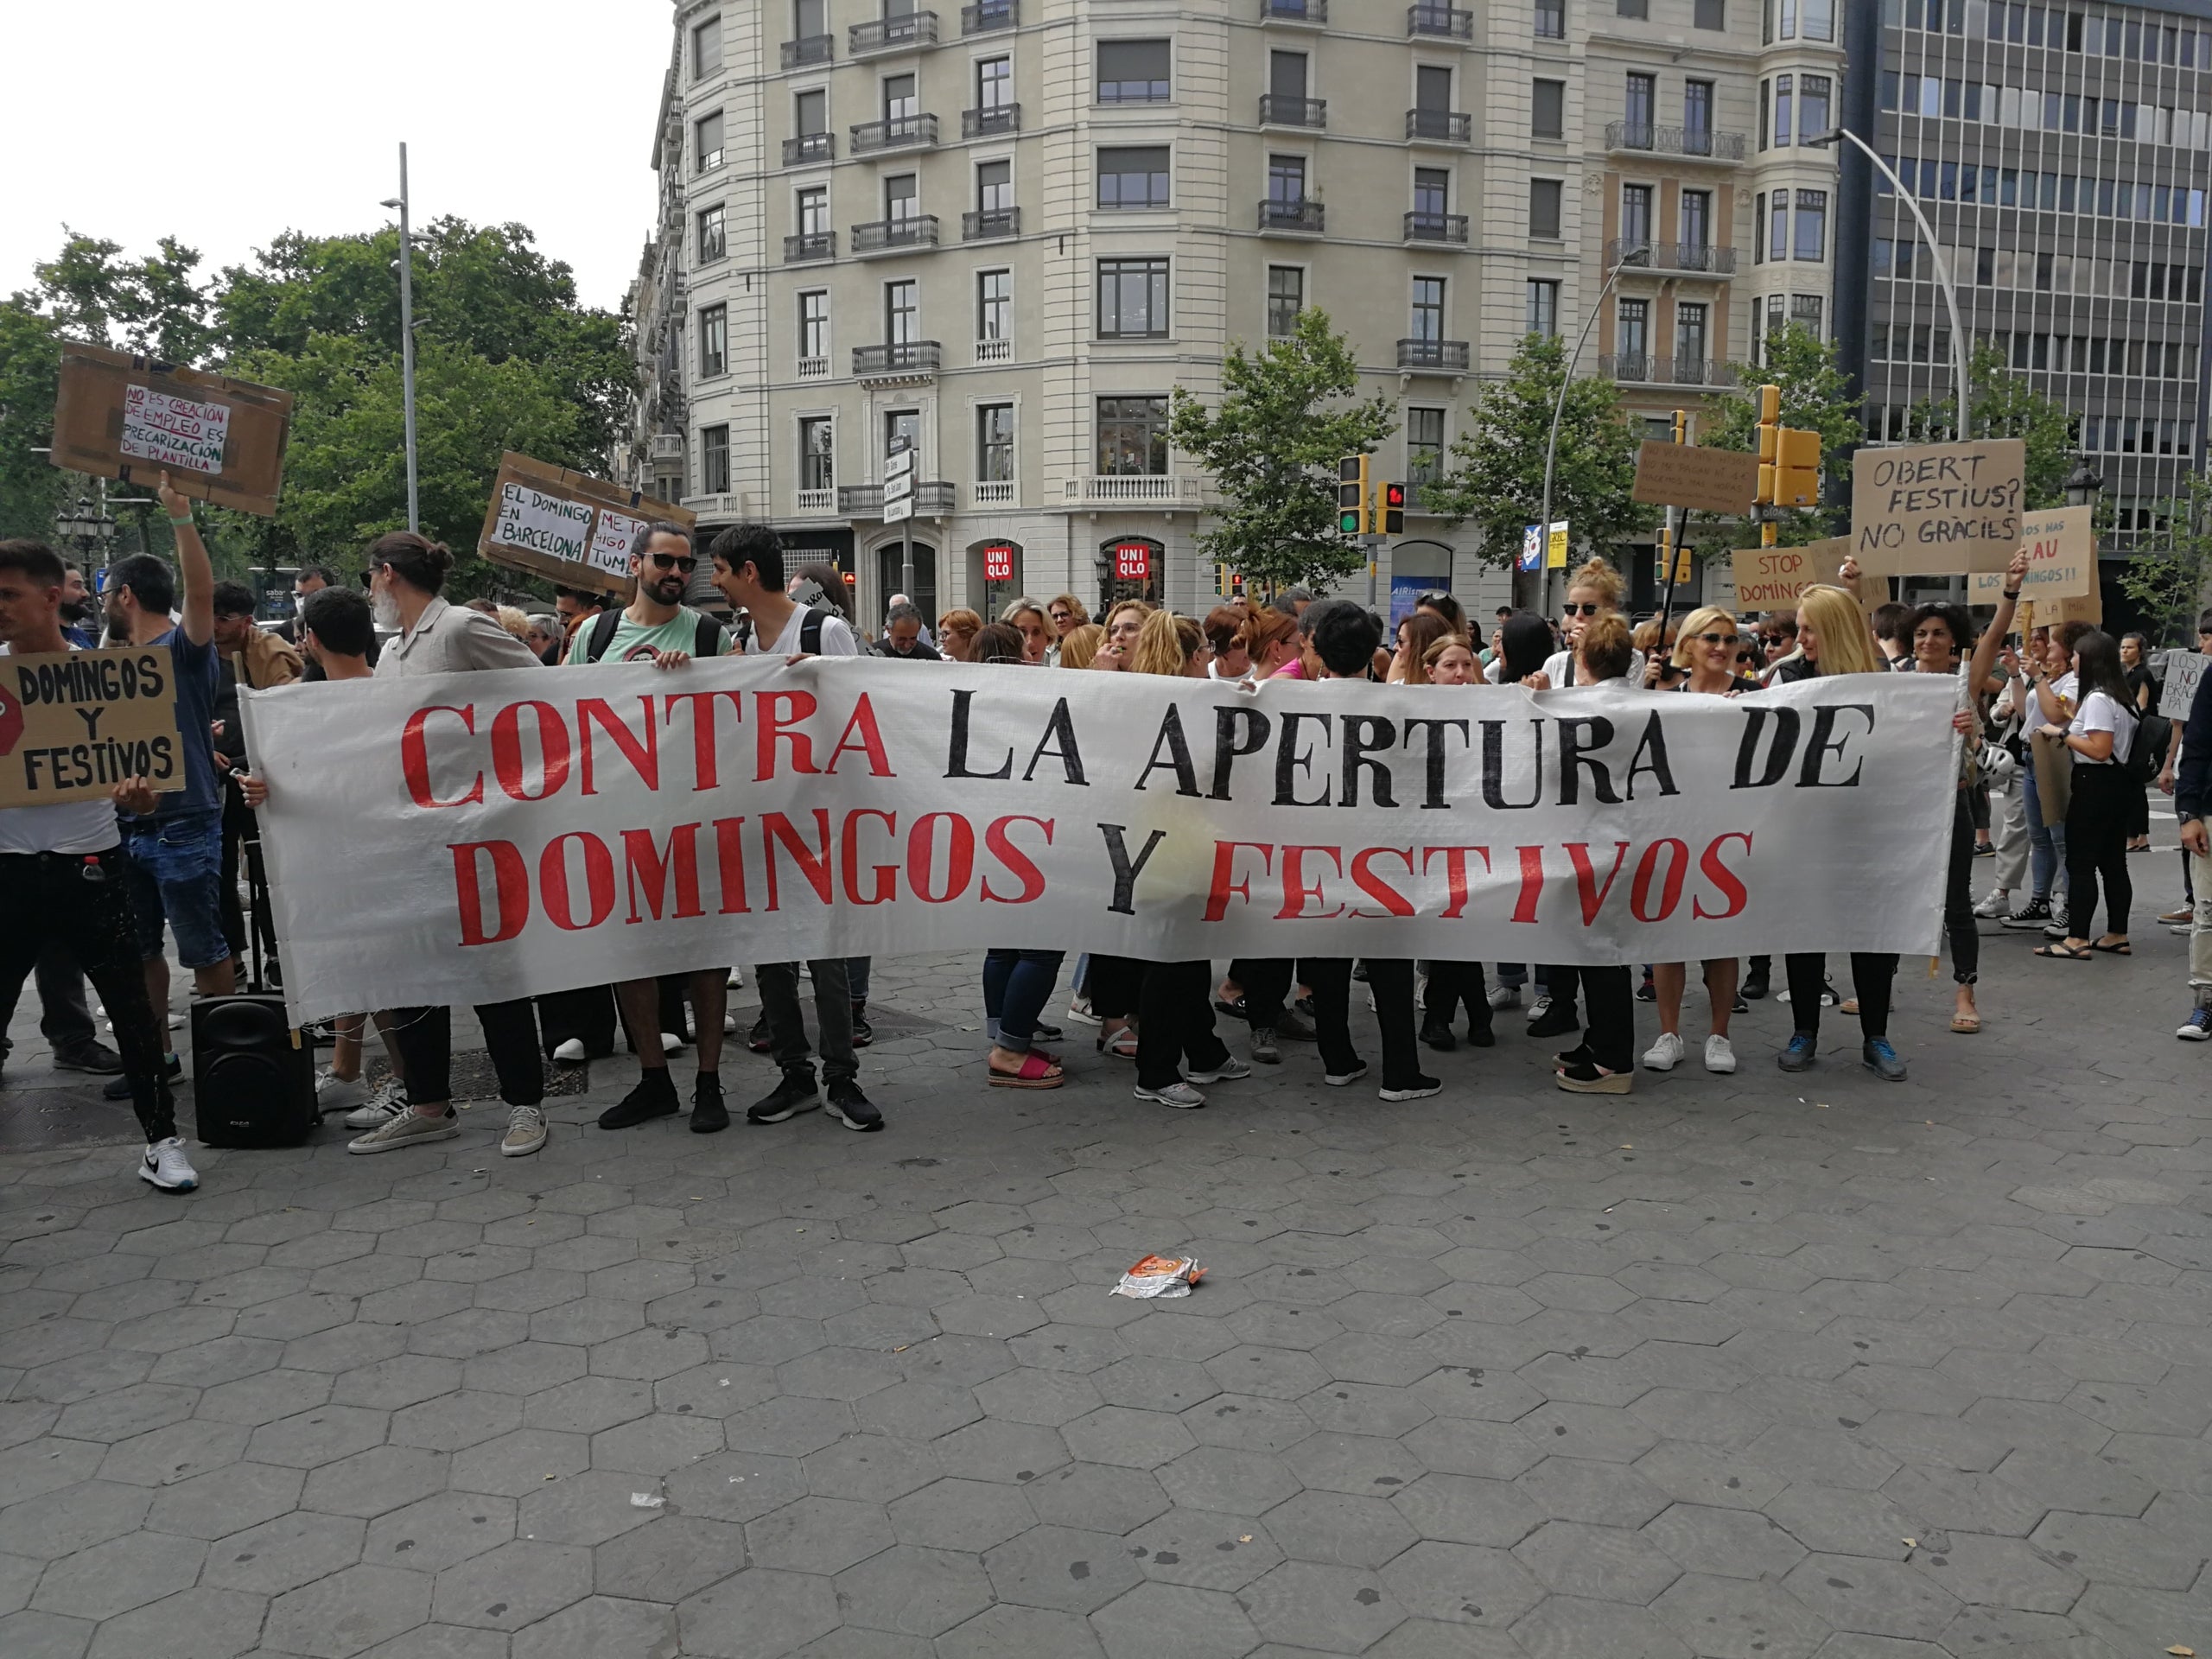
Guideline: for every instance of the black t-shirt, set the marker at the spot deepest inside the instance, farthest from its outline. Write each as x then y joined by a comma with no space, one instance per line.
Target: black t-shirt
2138,677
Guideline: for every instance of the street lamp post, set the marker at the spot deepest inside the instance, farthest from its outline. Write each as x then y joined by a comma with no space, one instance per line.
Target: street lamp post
406,334
1634,256
86,529
1935,252
2084,484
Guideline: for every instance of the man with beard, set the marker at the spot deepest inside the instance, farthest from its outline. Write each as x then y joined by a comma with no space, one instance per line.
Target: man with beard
657,627
76,608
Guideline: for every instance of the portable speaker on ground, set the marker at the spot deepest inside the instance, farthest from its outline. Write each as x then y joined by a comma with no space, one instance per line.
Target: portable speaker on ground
253,1073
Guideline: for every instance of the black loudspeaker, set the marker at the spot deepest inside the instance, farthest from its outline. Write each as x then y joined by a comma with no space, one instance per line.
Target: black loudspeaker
253,1073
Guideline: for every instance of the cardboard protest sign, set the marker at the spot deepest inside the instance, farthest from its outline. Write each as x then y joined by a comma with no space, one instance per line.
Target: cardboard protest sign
1938,509
75,723
2061,559
568,527
219,440
1775,578
2184,673
1683,475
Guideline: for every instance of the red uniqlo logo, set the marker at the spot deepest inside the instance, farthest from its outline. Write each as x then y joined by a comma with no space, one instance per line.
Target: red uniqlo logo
998,564
1131,561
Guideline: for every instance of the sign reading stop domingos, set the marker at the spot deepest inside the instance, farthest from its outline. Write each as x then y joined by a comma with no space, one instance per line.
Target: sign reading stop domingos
74,724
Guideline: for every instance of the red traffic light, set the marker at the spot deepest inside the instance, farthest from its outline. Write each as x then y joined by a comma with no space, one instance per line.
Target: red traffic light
1394,495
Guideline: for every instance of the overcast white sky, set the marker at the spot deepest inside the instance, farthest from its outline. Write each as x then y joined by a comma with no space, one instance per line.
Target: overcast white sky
289,113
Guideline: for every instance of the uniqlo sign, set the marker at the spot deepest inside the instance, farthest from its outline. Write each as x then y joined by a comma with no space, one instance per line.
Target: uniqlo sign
998,564
1131,561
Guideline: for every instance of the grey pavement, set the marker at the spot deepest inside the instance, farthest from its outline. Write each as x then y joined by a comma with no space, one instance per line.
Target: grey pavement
1756,1367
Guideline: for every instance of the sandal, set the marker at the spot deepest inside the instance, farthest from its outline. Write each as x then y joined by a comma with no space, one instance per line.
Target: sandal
1123,1044
1036,1072
1849,1004
2060,952
1967,1025
2119,948
1233,1006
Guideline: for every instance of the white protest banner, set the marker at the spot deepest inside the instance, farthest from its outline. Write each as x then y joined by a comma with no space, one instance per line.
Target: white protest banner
2184,673
173,431
499,834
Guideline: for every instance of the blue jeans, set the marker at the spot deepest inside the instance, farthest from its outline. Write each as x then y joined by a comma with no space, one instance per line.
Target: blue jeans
856,976
2046,842
176,875
1016,986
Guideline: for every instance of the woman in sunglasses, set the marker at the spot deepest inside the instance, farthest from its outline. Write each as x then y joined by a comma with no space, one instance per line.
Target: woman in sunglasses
1706,659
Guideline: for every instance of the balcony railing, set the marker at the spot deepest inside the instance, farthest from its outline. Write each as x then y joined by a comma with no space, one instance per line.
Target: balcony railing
1441,126
809,49
888,235
814,368
987,223
1276,110
892,33
999,118
1421,226
994,351
1305,215
809,147
809,244
807,503
1674,141
1697,258
933,499
1315,12
991,16
668,445
1449,355
905,356
997,492
1440,20
1639,368
1134,489
899,133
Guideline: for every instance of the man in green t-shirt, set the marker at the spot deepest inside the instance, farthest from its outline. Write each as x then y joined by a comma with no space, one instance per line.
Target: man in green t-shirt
657,627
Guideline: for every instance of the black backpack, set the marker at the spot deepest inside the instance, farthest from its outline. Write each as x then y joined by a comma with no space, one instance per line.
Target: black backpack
810,631
706,642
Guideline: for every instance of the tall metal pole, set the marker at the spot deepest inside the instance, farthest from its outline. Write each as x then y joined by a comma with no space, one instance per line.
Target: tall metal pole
407,342
1558,408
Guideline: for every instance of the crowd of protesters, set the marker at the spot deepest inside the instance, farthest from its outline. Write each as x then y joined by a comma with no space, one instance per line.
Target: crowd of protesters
87,890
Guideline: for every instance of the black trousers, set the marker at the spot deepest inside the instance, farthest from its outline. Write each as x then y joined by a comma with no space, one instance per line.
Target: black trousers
586,1013
2097,826
424,1038
1873,976
1175,1023
1959,924
1267,981
1391,979
1610,1000
65,1019
79,901
1453,983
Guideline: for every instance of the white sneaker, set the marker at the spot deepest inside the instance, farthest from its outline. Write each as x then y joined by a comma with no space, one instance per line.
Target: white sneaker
729,1024
405,1129
526,1132
1665,1054
736,979
1505,996
388,1101
1344,1079
1229,1070
1538,1008
670,1042
332,1092
1177,1094
1719,1056
166,1167
1996,906
572,1051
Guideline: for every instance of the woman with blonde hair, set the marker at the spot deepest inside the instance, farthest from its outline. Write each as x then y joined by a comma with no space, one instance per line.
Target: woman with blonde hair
956,635
1123,623
1415,635
1161,646
1079,644
1026,617
515,621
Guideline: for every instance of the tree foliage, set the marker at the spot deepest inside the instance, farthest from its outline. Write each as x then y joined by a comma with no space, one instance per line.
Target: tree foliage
1495,475
2004,405
1815,397
2169,574
1285,419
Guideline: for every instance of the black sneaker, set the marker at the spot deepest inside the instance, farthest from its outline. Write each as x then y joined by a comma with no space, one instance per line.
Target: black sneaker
2034,913
1556,1021
1482,1036
1645,990
172,1074
654,1096
96,1057
1757,985
863,1032
794,1094
709,1114
761,1040
1437,1033
1740,1006
851,1108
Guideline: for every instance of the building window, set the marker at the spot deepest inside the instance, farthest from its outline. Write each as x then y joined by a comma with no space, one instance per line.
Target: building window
902,432
995,305
1632,8
714,243
1782,102
994,83
814,210
1766,92
1424,445
901,199
1133,437
1286,299
810,19
1426,313
994,187
902,312
714,460
1778,226
1697,117
1812,225
811,113
818,453
1697,219
994,444
1131,298
1632,338
1820,19
814,324
1544,307
1543,209
1547,109
1758,237
706,133
1689,333
1777,320
901,99
1432,88
1814,114
1132,178
714,339
1431,194
1133,71
1638,107
1286,77
1286,180
1551,20
1636,214
707,48
1805,313
1709,13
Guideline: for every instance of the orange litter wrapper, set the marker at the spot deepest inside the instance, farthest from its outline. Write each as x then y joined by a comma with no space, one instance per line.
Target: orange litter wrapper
1160,1275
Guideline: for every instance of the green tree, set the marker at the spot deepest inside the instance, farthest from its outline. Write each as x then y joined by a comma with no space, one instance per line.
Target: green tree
2005,405
1495,473
2169,574
1284,418
30,357
1815,397
153,305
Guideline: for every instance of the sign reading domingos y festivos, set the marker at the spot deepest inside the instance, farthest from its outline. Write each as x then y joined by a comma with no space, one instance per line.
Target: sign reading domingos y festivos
73,724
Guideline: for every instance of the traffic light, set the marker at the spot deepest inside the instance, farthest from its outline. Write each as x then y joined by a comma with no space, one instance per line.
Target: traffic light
1769,442
1797,469
1352,498
1393,509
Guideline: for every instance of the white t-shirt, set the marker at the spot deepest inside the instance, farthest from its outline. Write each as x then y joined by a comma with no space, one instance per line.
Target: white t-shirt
1557,665
2100,713
84,826
1213,672
837,638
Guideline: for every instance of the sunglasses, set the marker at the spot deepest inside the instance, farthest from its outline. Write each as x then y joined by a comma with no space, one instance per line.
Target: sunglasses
1720,638
1577,610
674,560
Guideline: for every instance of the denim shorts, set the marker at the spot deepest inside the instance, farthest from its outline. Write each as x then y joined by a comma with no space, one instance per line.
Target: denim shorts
176,875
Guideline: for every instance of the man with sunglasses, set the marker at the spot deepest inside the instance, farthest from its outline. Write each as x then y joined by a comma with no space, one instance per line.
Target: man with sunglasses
658,627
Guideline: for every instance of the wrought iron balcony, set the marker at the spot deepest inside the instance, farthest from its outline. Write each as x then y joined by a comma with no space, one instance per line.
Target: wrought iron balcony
991,16
809,244
900,33
1446,20
1643,369
1276,110
987,223
888,235
1314,12
1696,258
1436,227
809,49
932,500
1441,126
999,118
809,147
1674,141
899,133
906,357
1304,215
1449,356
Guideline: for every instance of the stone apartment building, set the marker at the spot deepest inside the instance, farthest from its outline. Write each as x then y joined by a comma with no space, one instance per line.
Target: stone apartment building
1001,233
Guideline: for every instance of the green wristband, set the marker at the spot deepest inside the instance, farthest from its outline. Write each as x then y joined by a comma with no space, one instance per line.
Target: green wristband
186,523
